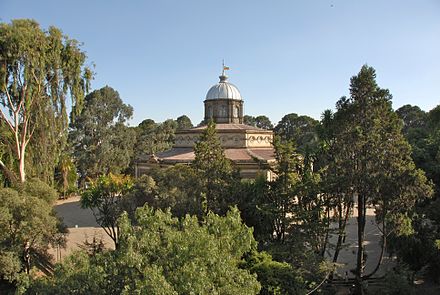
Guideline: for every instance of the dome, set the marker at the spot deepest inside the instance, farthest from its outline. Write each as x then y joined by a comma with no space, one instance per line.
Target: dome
224,90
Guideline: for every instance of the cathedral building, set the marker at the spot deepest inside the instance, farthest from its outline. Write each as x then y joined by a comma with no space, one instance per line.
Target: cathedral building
249,148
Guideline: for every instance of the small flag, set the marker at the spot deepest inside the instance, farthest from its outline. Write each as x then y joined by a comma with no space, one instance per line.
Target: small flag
225,68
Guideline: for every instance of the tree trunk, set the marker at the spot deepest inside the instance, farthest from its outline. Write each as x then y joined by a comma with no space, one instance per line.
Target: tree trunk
361,236
21,167
341,233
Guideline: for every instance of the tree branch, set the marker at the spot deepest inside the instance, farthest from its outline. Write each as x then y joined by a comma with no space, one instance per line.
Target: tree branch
7,121
8,173
9,99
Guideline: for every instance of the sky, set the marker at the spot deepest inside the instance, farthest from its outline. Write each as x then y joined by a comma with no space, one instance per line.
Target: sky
285,56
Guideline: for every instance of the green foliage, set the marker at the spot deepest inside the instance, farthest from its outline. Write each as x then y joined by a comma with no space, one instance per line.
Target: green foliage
300,129
101,141
39,71
27,227
156,137
183,123
275,277
261,121
66,175
176,187
107,197
214,170
163,255
397,282
371,158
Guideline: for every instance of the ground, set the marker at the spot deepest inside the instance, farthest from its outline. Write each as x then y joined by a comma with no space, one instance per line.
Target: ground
81,224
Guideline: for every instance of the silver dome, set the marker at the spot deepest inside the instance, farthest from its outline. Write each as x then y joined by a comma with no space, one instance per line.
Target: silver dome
224,90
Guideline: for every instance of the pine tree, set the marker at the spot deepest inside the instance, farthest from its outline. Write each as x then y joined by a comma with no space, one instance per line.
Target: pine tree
215,171
375,159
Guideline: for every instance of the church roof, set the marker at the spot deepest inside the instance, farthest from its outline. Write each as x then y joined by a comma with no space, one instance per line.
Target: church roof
237,155
223,90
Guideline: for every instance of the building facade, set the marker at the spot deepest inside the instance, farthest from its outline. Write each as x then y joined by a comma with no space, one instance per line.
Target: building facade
249,148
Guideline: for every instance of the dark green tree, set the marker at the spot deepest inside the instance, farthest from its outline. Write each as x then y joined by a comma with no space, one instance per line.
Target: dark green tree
176,187
39,71
214,170
261,121
300,129
101,141
183,123
376,158
413,118
28,226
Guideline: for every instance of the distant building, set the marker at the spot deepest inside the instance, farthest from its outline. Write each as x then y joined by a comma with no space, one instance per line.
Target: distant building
248,147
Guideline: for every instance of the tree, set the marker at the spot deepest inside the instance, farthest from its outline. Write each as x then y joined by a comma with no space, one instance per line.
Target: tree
27,226
249,120
275,277
261,121
101,141
424,136
39,71
214,171
336,184
376,159
176,187
183,123
160,254
300,129
413,118
107,198
65,174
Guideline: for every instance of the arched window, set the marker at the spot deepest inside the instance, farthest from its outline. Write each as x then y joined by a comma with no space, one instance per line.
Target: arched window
210,113
222,112
236,111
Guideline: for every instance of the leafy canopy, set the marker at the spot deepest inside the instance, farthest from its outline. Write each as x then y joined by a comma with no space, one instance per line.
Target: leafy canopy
163,255
39,71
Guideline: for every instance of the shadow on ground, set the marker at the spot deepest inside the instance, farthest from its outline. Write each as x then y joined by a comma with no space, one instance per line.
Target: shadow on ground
73,215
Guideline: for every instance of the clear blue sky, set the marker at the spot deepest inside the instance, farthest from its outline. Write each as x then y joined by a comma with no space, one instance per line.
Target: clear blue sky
285,56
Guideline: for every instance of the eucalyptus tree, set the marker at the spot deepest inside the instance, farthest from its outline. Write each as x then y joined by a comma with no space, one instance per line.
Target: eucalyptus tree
101,141
39,71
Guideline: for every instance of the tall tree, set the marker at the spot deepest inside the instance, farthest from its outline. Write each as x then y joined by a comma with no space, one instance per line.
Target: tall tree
376,158
101,141
214,170
39,71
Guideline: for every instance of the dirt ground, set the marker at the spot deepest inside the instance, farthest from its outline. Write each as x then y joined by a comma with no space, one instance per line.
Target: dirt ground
347,256
81,224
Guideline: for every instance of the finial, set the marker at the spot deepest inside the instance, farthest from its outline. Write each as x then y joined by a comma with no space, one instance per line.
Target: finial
223,76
